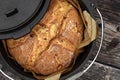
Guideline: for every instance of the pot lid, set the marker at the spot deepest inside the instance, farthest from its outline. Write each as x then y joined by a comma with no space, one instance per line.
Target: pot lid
18,17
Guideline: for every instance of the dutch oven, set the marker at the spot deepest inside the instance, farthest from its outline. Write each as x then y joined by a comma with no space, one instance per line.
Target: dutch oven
18,21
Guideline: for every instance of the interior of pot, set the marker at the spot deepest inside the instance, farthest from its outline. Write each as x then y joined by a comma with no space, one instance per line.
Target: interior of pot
16,69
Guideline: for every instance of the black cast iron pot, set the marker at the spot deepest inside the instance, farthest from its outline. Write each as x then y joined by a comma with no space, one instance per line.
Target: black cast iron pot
9,65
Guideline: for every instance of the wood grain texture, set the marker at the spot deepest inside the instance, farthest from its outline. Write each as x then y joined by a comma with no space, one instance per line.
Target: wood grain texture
101,72
110,10
110,53
107,66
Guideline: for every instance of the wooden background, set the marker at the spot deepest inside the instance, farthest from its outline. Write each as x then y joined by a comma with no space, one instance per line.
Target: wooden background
107,65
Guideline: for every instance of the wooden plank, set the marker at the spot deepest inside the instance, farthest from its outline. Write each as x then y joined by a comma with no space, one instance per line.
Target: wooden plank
110,53
101,72
110,10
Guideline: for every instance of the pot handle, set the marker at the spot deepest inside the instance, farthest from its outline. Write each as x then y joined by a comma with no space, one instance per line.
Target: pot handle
3,73
100,46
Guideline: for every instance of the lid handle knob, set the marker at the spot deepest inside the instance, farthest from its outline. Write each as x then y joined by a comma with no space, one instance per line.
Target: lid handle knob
11,12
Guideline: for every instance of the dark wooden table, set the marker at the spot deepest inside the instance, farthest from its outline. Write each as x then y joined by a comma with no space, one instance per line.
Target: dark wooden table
107,65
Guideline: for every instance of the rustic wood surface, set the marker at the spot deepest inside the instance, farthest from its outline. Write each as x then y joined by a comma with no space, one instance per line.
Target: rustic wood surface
107,65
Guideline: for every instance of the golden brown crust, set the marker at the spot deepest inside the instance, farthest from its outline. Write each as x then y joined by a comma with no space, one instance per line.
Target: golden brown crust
52,43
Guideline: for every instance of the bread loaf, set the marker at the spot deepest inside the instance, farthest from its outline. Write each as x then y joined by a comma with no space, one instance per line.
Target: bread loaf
51,45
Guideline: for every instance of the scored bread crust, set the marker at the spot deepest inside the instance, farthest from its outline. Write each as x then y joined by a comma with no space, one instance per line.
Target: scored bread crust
51,45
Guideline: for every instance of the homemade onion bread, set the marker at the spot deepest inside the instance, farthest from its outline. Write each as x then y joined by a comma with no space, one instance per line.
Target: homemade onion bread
52,43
